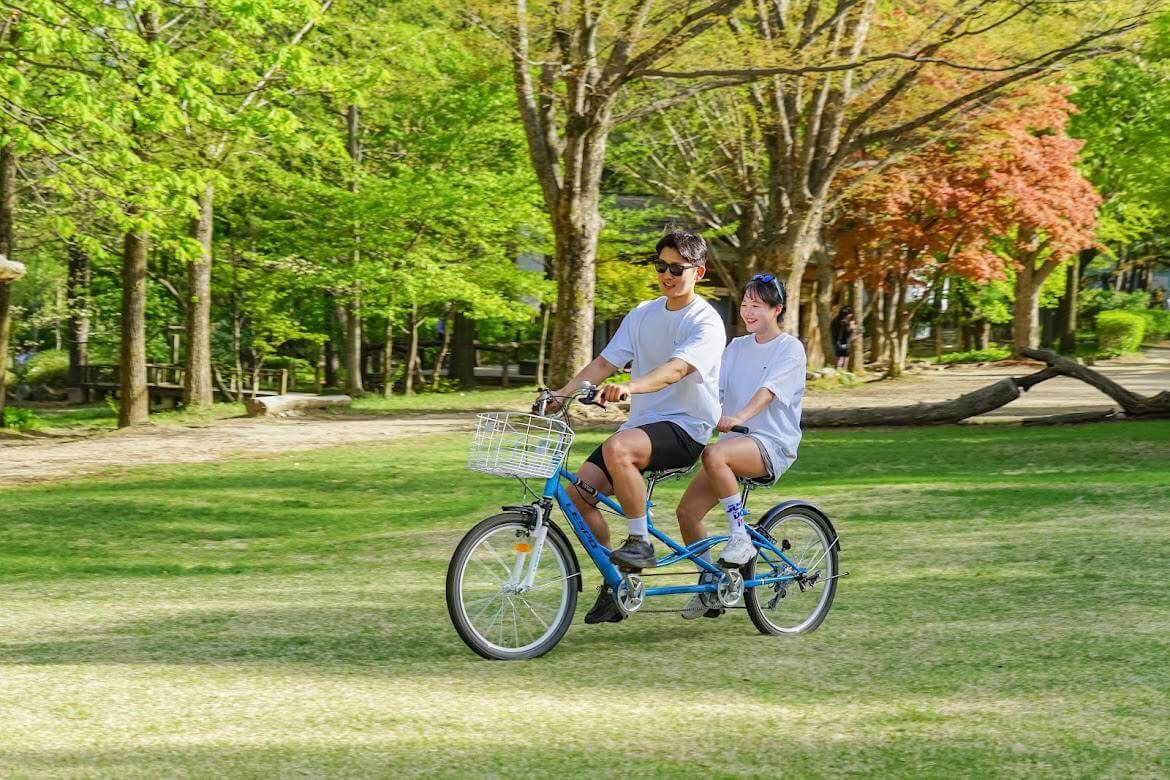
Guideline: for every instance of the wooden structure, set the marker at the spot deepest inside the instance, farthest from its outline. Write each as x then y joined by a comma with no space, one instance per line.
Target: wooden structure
164,382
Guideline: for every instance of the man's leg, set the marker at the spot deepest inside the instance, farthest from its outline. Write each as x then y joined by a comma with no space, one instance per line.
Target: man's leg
587,504
626,454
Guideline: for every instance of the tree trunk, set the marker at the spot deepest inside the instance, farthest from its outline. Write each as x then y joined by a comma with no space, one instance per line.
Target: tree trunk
412,354
353,305
1068,304
197,388
824,304
576,273
540,353
7,234
936,327
134,401
1026,314
388,357
444,349
810,333
463,351
77,301
857,338
984,334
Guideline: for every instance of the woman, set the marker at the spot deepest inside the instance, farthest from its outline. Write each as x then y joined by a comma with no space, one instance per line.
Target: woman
841,330
761,384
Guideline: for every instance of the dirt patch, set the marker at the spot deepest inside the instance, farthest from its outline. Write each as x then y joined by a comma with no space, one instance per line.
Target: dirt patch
25,460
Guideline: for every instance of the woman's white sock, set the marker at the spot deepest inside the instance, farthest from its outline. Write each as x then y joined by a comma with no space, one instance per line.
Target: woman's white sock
734,510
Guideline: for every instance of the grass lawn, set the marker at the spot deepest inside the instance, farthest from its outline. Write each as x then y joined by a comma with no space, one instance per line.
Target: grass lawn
1007,613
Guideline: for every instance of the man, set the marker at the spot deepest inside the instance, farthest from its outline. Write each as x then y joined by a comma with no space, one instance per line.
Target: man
675,343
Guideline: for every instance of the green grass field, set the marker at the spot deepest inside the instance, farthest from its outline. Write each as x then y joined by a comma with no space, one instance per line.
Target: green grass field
1007,613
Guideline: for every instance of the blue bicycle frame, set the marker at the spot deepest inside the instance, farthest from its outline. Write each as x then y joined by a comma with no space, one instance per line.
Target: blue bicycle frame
769,552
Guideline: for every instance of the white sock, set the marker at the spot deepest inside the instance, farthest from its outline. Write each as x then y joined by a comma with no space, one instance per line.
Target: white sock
705,556
638,527
734,510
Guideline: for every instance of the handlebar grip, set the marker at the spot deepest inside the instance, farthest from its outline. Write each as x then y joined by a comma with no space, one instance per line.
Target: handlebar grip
739,429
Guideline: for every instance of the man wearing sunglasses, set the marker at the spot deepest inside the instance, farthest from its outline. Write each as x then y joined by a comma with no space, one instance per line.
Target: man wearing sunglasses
675,343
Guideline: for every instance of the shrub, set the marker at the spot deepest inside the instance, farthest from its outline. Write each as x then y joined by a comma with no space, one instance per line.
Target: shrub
1090,303
1120,331
50,367
1157,324
21,419
976,355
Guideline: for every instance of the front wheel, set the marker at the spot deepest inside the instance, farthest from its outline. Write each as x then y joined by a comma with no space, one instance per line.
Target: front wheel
491,606
795,606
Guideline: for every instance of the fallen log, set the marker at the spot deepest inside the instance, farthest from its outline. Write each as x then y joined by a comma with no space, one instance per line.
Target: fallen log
1131,403
277,405
993,396
977,402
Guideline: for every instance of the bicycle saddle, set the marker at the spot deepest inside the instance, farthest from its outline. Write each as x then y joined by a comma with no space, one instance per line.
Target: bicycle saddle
658,476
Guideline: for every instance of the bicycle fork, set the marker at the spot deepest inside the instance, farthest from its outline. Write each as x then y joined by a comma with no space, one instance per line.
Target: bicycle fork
528,552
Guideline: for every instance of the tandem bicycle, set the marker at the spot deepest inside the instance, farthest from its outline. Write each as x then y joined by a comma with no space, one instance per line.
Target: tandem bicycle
514,578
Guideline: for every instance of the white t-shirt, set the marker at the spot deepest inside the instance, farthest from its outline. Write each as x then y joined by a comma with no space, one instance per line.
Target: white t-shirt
778,365
650,335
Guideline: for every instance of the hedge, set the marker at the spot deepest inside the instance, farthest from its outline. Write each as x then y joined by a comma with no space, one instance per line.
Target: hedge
1120,331
1157,324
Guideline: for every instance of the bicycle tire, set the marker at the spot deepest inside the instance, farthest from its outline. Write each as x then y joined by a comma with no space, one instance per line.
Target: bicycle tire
555,550
761,616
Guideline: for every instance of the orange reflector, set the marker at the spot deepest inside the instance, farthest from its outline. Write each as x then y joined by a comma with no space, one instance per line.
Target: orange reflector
522,547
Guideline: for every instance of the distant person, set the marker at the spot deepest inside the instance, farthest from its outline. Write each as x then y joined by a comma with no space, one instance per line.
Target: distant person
842,331
1158,299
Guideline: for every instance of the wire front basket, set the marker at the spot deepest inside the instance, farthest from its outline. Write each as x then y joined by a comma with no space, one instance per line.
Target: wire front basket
514,444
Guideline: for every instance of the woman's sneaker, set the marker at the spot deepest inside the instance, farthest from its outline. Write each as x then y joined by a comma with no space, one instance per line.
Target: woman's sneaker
697,607
739,550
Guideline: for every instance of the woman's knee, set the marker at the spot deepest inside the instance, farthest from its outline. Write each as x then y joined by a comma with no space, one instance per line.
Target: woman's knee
713,457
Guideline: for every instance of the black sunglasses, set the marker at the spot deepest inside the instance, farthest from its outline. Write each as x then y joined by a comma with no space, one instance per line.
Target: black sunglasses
675,269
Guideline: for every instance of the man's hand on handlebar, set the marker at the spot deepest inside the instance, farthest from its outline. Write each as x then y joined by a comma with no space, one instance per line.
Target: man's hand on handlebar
612,393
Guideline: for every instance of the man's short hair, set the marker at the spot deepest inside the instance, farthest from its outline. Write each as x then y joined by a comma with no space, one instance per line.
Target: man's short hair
688,243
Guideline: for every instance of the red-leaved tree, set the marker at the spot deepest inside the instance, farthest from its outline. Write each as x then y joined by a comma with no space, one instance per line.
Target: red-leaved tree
1002,193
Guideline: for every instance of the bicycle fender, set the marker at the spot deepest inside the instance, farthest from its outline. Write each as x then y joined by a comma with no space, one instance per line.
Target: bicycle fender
807,505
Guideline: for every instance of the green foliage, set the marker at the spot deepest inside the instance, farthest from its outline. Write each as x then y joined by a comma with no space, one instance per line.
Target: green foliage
1092,302
1157,324
1120,331
976,356
21,419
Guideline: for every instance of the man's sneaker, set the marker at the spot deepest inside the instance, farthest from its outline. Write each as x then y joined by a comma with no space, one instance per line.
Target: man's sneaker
635,554
739,550
696,607
605,609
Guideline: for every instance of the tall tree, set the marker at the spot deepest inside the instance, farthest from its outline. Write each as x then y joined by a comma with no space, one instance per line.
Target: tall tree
859,83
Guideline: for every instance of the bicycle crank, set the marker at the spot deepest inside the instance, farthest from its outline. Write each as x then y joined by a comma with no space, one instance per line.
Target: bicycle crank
631,592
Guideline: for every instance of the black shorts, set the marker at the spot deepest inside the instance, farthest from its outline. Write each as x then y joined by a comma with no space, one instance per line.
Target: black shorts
670,448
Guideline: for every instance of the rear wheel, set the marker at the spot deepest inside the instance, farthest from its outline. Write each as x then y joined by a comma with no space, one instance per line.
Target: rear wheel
800,605
491,610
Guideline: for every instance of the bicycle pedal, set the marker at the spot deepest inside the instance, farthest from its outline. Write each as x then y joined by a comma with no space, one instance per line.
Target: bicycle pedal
629,570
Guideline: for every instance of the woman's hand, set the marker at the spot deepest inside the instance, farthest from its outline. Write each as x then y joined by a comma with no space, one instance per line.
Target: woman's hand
725,424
